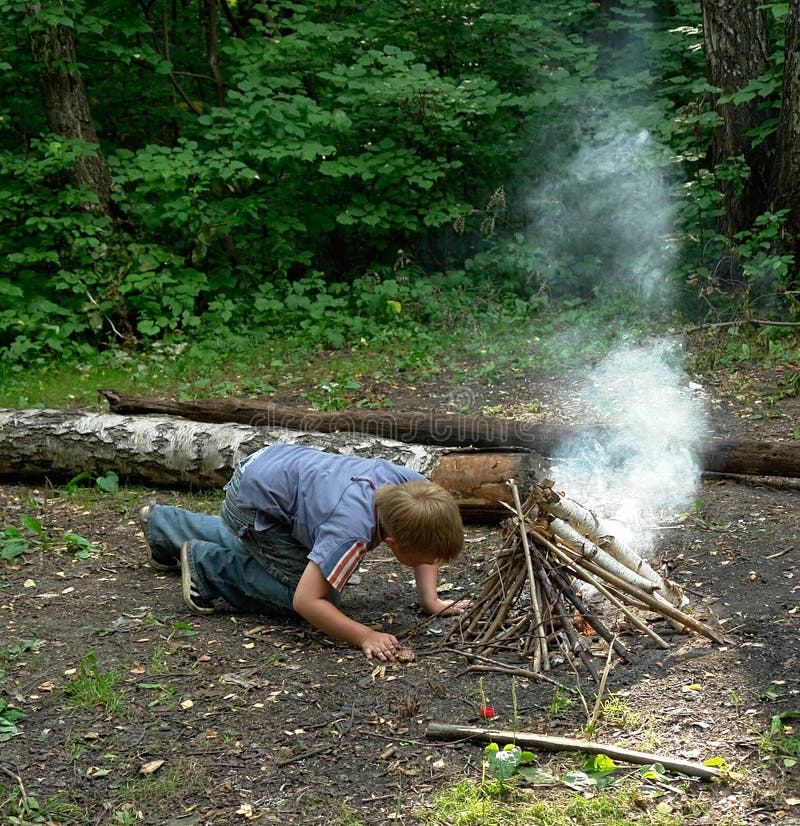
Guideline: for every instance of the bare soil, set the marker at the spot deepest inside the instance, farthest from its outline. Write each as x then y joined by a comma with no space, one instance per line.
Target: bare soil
264,719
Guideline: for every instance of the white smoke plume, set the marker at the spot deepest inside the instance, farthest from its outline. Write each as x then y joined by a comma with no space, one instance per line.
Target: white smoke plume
605,218
648,469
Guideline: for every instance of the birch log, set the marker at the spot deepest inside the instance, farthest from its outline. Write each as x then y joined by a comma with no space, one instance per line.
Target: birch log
162,450
598,531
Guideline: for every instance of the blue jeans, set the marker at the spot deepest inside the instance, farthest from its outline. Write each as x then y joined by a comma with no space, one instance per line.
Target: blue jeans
256,572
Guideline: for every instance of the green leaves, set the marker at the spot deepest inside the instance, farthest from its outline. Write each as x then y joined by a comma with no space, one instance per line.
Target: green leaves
504,764
12,543
9,717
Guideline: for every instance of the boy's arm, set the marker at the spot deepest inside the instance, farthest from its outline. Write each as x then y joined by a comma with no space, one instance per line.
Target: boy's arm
426,577
311,604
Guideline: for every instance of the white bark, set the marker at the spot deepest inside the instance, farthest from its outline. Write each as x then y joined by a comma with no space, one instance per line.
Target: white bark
165,450
596,529
591,551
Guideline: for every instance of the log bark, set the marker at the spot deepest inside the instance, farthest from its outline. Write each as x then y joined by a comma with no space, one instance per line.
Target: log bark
544,742
162,450
714,455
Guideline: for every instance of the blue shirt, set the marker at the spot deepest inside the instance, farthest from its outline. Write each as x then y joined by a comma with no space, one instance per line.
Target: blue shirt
327,501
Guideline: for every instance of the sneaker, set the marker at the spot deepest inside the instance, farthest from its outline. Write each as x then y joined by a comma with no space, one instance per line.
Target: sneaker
158,560
195,602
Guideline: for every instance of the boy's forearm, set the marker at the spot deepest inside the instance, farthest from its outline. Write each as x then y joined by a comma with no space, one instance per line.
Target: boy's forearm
325,616
426,578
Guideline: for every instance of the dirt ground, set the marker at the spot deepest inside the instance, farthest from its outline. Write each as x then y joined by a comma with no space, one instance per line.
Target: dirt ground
257,719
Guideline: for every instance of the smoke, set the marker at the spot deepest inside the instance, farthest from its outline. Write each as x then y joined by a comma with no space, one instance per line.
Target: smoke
604,219
648,467
602,226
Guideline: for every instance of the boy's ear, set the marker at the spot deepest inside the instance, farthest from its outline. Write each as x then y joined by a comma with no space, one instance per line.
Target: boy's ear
390,542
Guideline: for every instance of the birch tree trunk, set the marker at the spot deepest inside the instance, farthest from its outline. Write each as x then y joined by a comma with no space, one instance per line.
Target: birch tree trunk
786,171
163,450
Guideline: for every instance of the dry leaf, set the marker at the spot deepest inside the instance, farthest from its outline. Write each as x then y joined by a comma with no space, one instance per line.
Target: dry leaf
151,766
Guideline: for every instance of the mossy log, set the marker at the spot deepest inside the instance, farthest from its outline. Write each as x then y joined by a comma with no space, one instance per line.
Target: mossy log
714,455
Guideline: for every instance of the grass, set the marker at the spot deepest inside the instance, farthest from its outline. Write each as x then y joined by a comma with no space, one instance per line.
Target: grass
473,804
485,344
92,687
174,782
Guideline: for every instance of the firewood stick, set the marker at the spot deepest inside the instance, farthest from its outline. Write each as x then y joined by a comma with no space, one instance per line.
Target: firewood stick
446,731
475,613
588,523
540,650
591,551
580,571
502,609
653,604
505,639
597,584
566,625
583,610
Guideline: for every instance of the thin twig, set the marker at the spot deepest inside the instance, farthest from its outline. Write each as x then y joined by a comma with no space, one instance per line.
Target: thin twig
601,689
540,651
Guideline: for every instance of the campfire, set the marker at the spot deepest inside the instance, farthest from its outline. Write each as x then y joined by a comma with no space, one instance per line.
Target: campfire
557,577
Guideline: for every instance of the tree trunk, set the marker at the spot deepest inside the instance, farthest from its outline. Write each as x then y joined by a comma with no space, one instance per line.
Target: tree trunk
65,102
715,455
786,171
737,51
178,453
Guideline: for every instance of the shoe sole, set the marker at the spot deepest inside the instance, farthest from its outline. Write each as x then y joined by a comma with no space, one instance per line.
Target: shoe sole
186,585
161,567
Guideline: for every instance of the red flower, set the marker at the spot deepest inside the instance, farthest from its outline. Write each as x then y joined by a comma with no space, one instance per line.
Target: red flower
487,712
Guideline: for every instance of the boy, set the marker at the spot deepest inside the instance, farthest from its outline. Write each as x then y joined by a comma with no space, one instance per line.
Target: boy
295,524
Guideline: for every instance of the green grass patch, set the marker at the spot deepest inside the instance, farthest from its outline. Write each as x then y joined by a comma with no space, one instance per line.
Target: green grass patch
470,337
476,804
94,687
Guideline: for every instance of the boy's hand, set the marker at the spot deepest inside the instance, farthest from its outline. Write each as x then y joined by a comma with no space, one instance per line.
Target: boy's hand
379,645
447,607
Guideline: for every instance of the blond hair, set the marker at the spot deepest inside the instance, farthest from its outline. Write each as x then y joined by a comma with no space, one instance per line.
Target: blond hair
423,517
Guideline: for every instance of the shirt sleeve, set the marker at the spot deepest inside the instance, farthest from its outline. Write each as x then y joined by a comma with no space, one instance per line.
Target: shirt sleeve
339,565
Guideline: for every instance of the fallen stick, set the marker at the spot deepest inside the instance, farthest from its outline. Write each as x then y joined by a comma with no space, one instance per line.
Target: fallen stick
448,731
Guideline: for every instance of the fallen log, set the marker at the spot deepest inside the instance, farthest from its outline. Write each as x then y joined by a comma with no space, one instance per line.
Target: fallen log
449,732
163,450
715,455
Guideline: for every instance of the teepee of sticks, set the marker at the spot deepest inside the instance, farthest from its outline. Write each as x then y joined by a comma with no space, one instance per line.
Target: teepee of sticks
531,602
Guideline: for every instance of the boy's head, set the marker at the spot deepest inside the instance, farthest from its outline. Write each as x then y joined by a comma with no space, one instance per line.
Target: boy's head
422,521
